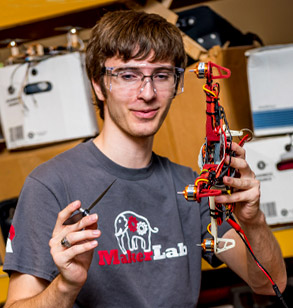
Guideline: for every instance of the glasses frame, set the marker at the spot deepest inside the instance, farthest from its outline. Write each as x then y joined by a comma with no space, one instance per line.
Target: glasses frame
178,72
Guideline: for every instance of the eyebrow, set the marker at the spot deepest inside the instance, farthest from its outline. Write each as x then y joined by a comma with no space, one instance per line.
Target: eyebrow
138,68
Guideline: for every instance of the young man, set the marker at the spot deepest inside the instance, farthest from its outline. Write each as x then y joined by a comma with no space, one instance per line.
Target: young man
147,254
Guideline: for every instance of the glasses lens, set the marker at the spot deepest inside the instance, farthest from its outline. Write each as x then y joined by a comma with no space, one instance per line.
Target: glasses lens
130,82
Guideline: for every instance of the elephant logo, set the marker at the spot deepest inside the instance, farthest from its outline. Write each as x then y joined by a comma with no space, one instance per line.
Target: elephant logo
131,230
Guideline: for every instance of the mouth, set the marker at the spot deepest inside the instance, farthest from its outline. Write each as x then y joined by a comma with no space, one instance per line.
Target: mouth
145,113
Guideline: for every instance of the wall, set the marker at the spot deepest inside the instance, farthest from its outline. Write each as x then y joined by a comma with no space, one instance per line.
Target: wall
183,132
271,20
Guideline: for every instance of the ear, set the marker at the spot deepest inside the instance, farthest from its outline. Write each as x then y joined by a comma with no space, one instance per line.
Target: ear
98,90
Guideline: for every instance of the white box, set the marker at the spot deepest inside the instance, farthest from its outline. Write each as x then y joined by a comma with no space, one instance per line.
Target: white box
62,110
270,79
1,134
263,156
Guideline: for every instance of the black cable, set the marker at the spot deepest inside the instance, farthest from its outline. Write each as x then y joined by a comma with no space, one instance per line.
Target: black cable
274,285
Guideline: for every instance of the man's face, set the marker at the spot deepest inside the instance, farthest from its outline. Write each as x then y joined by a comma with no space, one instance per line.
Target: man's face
137,112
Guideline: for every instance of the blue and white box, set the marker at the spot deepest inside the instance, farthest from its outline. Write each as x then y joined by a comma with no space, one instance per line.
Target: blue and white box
270,81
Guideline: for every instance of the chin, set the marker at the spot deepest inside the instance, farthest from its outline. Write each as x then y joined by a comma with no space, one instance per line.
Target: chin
143,134
144,131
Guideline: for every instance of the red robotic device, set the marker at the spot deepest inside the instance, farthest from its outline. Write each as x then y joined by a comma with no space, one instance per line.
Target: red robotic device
213,167
213,155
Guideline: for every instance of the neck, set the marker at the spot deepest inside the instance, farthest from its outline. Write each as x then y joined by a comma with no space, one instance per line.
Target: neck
125,150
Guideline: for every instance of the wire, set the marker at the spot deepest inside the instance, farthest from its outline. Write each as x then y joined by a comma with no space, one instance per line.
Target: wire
13,73
232,221
209,91
245,138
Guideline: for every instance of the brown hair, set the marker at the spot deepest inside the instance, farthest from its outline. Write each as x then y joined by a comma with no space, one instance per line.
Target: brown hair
132,35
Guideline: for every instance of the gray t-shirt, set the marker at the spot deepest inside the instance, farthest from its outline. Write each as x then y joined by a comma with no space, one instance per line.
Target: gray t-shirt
147,254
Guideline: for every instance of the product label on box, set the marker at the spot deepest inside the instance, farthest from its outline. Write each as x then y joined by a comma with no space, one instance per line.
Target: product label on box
263,156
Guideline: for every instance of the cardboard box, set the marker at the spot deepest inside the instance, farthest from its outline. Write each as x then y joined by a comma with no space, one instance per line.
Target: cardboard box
269,71
46,101
271,159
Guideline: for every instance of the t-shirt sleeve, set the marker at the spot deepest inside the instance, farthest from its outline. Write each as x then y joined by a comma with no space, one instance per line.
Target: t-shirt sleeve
210,257
33,222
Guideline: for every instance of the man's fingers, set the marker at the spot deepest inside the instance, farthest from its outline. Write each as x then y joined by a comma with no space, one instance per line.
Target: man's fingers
243,183
61,230
76,250
66,213
82,236
87,222
247,190
63,257
240,165
240,196
239,151
84,230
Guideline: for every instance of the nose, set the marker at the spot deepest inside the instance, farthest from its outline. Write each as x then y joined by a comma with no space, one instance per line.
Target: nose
147,89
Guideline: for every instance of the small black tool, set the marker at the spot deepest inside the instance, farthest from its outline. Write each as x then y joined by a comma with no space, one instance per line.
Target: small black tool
85,212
